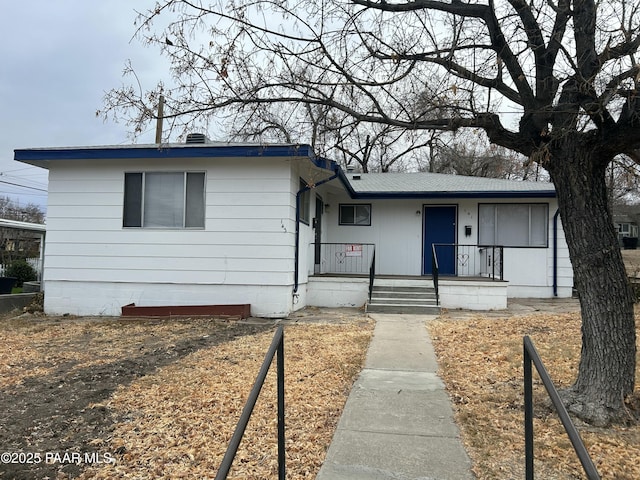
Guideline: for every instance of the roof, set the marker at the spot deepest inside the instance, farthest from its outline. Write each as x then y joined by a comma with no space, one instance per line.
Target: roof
439,185
15,224
359,185
41,157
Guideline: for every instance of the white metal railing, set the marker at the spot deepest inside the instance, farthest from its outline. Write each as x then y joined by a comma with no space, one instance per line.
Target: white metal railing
469,260
345,258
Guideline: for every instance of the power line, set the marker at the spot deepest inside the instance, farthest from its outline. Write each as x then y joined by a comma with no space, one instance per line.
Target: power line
23,186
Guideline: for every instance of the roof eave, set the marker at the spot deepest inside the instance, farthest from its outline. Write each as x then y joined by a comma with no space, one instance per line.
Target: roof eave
454,194
42,157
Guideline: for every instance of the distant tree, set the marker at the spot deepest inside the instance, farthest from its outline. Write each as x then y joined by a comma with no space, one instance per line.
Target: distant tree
623,181
12,210
472,155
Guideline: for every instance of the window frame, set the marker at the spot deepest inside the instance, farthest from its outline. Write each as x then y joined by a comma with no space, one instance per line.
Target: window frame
496,225
136,200
304,215
355,206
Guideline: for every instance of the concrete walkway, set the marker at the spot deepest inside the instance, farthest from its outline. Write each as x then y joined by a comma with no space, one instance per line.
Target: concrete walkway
397,423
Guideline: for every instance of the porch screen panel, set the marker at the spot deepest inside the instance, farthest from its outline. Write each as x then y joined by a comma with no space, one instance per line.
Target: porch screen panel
164,200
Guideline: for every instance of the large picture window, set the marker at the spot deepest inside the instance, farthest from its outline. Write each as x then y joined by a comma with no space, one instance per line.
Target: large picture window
164,200
355,214
514,225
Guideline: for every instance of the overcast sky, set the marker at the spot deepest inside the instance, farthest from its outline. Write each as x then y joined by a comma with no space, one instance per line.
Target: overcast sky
58,58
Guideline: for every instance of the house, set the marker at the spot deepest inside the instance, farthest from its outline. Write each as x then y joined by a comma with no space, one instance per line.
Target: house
627,228
279,228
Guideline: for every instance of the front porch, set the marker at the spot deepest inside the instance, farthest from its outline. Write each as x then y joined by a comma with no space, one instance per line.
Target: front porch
352,290
467,276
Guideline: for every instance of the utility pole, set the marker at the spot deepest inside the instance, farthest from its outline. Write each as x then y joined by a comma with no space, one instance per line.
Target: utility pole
159,120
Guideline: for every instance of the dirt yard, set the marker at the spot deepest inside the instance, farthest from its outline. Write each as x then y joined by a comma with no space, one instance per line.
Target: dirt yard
148,398
480,359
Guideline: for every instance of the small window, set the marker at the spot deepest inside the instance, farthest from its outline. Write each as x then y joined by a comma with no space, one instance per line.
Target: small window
355,215
514,225
164,200
305,203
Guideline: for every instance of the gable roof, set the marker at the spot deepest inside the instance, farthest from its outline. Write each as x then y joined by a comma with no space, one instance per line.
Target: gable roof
439,185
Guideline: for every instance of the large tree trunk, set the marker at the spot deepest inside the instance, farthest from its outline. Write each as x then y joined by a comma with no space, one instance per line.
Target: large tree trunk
606,372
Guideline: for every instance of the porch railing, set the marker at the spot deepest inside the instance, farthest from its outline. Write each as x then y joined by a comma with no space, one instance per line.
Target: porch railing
345,258
469,260
275,350
435,273
531,356
372,273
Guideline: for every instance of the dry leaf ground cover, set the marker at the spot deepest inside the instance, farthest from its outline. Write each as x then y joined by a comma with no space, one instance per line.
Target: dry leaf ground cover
160,398
481,364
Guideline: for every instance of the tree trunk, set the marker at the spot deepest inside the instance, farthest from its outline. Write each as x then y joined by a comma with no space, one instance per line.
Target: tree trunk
606,373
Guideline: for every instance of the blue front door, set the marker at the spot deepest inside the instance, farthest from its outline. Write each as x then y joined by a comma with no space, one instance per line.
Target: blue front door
440,228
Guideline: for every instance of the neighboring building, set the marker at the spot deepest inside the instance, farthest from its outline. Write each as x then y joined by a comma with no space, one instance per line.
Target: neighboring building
627,227
279,228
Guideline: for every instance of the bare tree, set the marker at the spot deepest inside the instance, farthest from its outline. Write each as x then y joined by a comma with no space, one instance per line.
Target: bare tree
623,181
335,135
555,81
470,154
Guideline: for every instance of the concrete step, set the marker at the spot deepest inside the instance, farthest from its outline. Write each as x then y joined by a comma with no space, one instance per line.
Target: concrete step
404,300
403,282
404,293
422,309
401,295
404,288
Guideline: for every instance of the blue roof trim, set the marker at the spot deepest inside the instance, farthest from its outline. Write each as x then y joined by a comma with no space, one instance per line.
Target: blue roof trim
325,164
432,195
169,151
455,194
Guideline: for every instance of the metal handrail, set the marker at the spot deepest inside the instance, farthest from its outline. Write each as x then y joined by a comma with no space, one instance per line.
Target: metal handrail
372,272
500,257
531,356
277,347
434,271
473,260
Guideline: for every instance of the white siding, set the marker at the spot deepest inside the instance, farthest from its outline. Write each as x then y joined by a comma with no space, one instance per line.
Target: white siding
248,237
108,298
396,230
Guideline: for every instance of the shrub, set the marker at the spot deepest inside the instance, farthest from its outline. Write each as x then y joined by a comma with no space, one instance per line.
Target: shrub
21,270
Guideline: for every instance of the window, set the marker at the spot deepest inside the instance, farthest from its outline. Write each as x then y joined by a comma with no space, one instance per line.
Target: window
513,225
355,214
164,200
305,203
